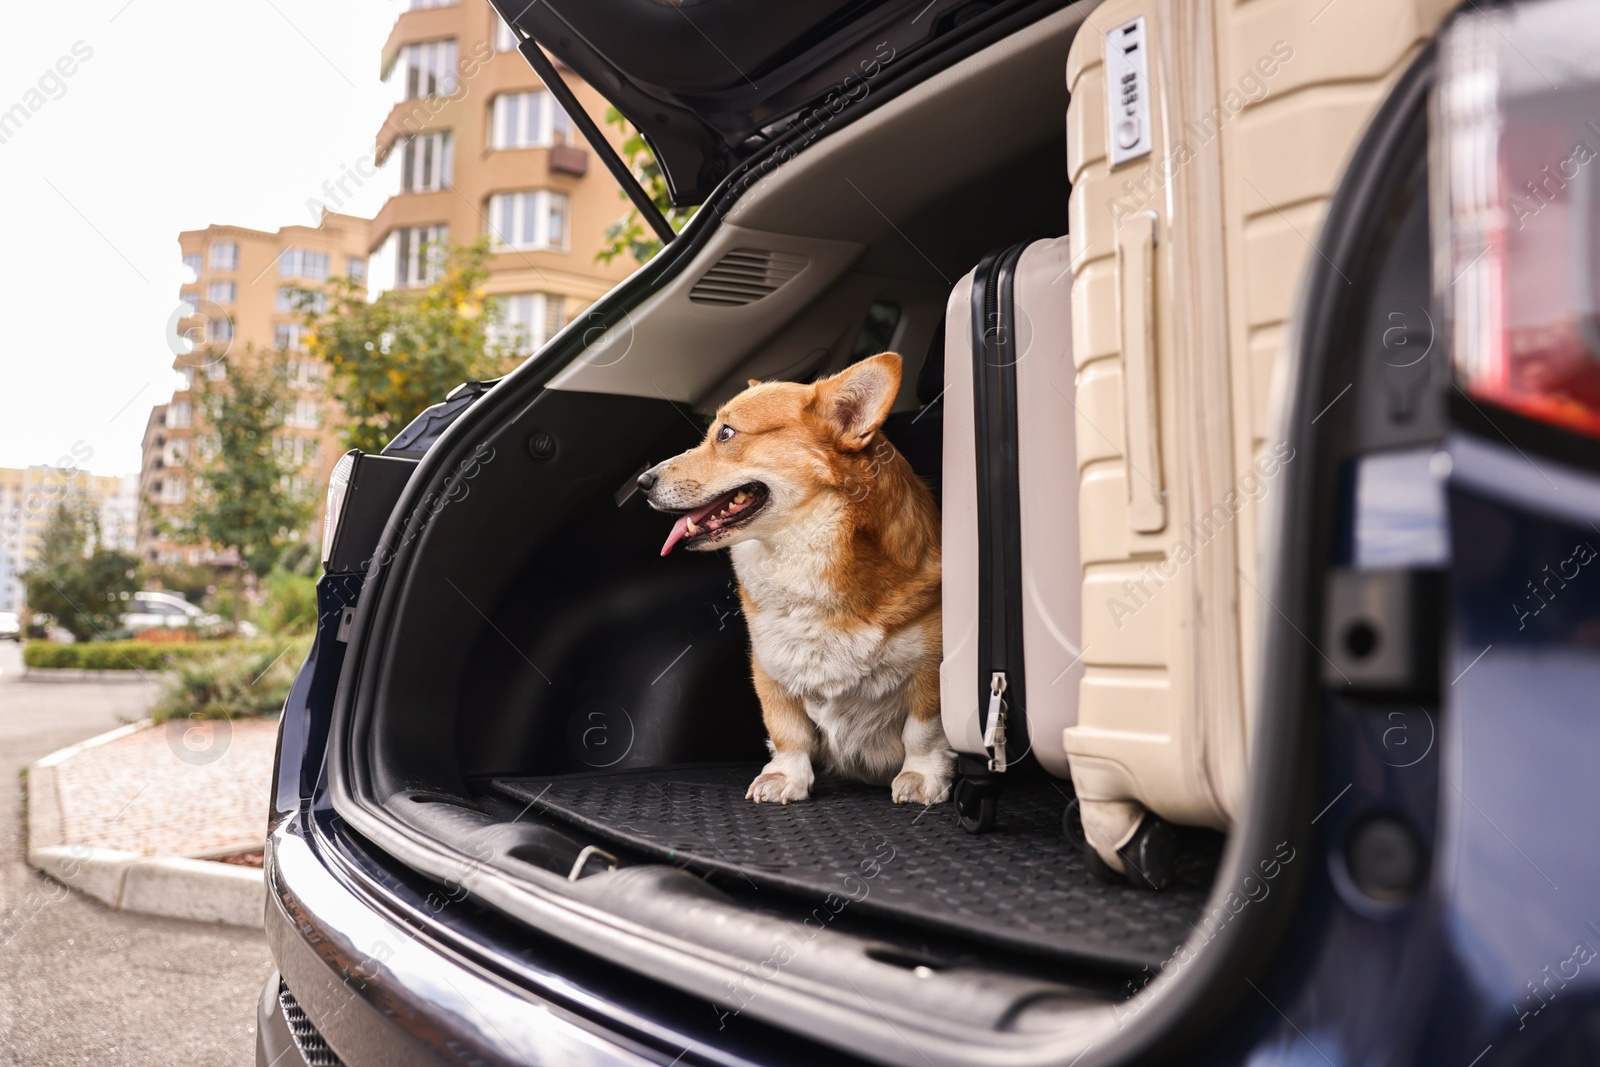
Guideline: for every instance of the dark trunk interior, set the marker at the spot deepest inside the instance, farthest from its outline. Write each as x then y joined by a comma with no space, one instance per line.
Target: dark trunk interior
550,684
561,675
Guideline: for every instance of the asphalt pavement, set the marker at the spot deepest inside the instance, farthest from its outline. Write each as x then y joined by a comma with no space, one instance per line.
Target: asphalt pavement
80,983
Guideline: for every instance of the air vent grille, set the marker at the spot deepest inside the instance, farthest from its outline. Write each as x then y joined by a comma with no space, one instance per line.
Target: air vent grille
745,275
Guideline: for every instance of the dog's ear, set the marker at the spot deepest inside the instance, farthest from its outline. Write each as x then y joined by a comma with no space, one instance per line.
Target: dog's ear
754,382
855,401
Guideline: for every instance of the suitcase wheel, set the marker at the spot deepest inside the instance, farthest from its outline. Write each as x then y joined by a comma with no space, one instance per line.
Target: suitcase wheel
1150,857
975,806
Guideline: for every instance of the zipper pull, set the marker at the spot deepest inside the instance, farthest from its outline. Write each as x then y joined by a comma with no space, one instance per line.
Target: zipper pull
994,735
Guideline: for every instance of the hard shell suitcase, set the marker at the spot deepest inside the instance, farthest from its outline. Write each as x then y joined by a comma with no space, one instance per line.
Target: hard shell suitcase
1204,142
1011,575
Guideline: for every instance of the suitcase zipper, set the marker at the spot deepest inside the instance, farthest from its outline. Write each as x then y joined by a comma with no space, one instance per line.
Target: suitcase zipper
999,535
994,736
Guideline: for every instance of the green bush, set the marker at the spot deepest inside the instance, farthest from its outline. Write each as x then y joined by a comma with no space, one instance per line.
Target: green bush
291,606
237,684
135,655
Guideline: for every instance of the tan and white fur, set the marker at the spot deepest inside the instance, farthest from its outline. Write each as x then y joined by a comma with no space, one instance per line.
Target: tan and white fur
835,543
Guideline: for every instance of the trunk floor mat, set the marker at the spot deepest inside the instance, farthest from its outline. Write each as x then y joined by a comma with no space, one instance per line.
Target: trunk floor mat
1022,885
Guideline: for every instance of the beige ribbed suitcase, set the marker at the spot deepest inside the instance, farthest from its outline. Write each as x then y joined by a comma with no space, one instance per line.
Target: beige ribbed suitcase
1204,140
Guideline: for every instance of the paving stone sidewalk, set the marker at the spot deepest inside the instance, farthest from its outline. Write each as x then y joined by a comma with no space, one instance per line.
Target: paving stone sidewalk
196,789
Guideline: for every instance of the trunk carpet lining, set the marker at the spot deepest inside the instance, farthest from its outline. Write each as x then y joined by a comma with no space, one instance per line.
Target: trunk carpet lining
1022,885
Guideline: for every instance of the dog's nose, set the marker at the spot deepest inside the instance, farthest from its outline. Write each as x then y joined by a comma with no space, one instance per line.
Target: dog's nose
647,481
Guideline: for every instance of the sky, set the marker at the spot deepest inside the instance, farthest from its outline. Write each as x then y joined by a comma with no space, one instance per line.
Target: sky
176,114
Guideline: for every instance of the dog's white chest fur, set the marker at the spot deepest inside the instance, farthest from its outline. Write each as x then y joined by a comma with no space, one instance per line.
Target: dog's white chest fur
851,675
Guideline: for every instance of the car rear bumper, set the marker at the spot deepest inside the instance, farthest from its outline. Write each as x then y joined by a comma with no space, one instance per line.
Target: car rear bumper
362,988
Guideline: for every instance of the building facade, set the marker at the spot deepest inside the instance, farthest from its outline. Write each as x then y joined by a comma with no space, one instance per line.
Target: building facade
474,146
29,497
477,146
240,290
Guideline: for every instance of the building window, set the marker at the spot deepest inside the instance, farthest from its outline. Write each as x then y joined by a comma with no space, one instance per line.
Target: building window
303,263
357,270
301,451
306,413
192,298
305,372
225,256
174,491
219,331
221,292
185,380
292,299
425,161
191,263
178,414
427,69
176,453
526,321
534,219
419,253
289,336
505,39
216,370
528,120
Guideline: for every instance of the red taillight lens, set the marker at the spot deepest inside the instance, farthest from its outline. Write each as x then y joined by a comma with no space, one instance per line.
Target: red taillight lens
1516,131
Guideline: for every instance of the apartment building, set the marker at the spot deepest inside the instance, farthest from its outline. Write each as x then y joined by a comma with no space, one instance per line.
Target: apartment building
29,497
476,145
240,288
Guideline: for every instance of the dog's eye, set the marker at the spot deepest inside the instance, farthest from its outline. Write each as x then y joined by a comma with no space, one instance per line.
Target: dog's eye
725,433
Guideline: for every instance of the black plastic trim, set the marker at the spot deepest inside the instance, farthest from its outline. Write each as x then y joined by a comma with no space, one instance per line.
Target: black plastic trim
1503,425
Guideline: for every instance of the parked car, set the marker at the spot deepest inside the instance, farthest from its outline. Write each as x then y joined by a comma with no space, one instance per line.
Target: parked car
501,827
10,626
156,610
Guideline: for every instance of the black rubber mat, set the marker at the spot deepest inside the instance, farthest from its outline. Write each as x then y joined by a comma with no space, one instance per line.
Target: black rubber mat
1020,885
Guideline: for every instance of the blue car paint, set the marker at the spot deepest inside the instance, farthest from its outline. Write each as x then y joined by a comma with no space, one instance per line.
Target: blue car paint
1497,959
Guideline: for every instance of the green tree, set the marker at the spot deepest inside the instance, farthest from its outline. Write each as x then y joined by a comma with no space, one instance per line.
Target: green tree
244,495
75,579
390,358
630,234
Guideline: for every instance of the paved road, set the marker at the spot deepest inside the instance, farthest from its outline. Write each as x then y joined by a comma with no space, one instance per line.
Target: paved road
80,983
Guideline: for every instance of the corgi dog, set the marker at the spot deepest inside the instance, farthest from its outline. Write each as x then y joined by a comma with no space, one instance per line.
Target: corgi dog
835,544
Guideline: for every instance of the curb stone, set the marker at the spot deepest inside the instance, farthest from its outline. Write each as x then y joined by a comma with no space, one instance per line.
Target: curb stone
85,674
173,886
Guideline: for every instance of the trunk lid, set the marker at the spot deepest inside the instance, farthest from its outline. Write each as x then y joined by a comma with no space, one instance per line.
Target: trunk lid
711,82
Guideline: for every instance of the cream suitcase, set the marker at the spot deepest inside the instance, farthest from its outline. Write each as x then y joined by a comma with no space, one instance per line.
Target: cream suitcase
1204,139
1011,576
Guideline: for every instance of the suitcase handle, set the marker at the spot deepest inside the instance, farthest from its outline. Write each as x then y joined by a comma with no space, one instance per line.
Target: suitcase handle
1136,241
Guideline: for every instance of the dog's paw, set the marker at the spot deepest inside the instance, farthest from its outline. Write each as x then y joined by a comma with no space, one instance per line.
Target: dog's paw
914,787
776,787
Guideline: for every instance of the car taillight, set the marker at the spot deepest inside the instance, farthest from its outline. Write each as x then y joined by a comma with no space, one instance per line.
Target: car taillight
1516,198
338,491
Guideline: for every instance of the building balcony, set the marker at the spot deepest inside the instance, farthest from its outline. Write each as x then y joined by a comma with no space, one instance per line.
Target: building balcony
569,159
431,24
445,206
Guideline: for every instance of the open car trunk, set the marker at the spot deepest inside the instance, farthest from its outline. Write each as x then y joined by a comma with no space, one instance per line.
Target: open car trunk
546,712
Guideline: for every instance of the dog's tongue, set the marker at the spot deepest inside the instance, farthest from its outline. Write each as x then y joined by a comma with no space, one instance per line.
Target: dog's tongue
680,529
